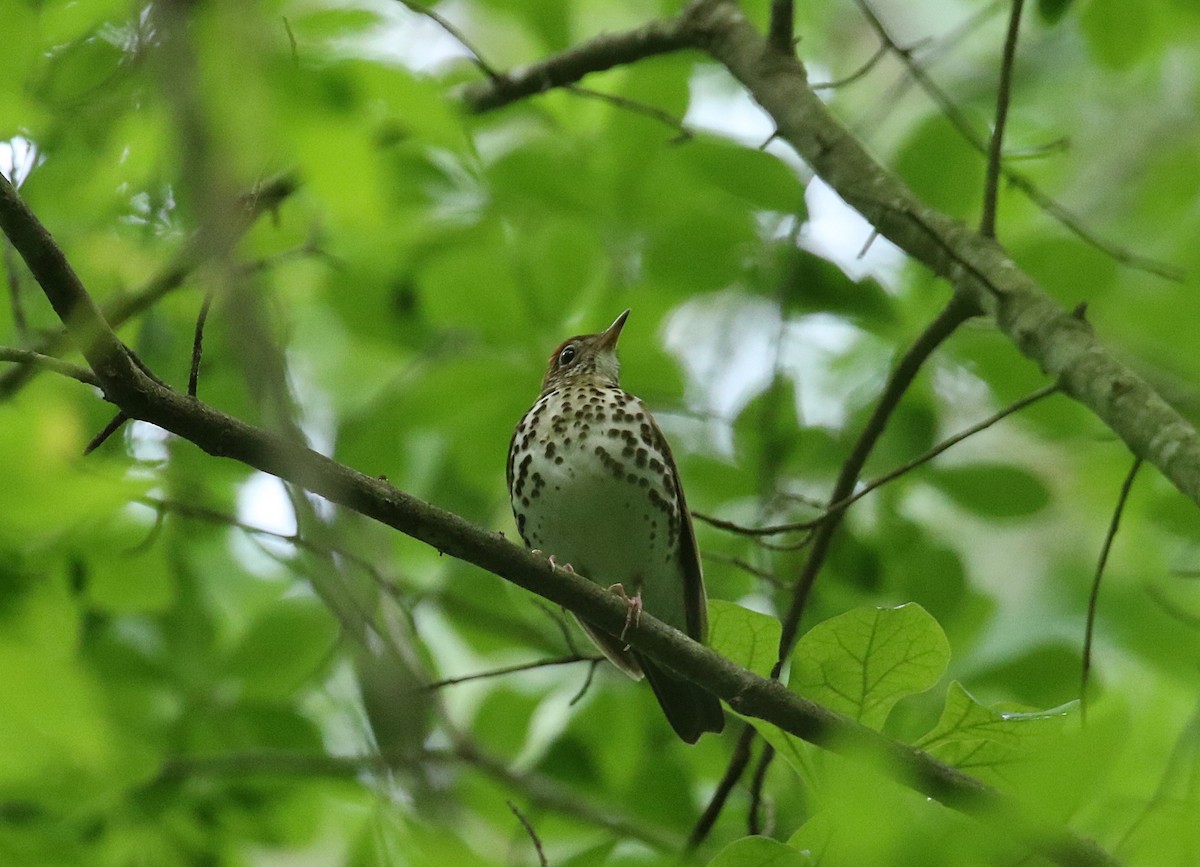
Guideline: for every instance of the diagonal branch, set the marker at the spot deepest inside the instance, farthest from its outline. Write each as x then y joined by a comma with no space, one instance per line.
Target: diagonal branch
263,198
1062,344
1015,179
140,395
568,67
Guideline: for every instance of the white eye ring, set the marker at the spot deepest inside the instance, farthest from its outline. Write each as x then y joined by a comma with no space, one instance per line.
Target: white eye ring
567,355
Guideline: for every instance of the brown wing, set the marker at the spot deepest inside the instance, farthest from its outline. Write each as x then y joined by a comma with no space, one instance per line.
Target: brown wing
695,600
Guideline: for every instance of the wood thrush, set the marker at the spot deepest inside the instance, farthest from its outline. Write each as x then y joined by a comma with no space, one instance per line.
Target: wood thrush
593,484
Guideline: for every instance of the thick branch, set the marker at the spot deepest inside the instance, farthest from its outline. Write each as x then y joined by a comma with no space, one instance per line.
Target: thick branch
1062,344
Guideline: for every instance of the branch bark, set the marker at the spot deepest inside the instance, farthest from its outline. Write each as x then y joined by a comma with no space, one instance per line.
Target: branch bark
1061,343
139,395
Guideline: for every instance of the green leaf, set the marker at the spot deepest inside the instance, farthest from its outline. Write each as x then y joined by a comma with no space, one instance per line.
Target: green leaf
757,177
283,648
80,69
325,23
1121,34
862,662
942,169
992,490
748,638
1052,11
798,753
985,742
759,852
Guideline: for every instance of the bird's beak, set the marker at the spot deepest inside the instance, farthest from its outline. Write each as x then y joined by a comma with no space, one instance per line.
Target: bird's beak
608,339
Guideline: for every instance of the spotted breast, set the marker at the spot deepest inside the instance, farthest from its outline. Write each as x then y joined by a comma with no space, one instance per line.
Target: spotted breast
593,483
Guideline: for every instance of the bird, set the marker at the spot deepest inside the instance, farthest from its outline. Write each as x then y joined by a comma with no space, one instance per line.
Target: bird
594,486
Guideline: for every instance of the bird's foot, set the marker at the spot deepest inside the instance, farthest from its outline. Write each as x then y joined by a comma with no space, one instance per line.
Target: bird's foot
633,615
553,561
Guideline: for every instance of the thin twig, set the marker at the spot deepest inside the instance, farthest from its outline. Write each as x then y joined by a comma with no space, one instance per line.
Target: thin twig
460,37
287,26
108,430
586,685
738,760
537,843
561,623
683,133
854,76
795,526
991,185
954,314
754,823
512,669
20,324
49,362
1187,618
198,344
263,197
540,790
1094,596
1069,221
746,566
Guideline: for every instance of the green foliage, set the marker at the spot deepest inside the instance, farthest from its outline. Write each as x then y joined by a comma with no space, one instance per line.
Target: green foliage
748,638
197,668
864,661
759,852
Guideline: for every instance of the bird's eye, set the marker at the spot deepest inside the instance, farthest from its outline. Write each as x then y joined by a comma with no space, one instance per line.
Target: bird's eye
567,355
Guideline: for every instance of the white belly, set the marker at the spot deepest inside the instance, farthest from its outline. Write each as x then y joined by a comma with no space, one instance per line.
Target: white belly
601,496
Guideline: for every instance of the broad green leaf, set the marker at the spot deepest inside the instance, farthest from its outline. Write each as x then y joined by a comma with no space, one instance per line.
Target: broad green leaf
862,662
983,741
799,754
283,648
748,638
46,495
943,170
57,737
759,852
816,285
757,177
991,489
78,70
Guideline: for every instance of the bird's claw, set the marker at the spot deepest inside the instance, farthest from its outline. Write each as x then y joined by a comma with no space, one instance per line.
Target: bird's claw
633,615
553,561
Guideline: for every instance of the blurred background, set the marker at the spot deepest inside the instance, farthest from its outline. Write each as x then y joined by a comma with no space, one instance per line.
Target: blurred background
201,666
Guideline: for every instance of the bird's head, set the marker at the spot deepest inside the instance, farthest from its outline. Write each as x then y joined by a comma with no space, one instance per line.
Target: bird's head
587,359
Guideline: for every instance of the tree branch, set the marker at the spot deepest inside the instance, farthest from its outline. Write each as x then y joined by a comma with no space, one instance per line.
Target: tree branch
991,185
49,362
1062,344
1094,595
141,396
568,67
262,198
781,32
959,120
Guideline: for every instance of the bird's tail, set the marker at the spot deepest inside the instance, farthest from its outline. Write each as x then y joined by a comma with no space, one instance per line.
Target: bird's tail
690,709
